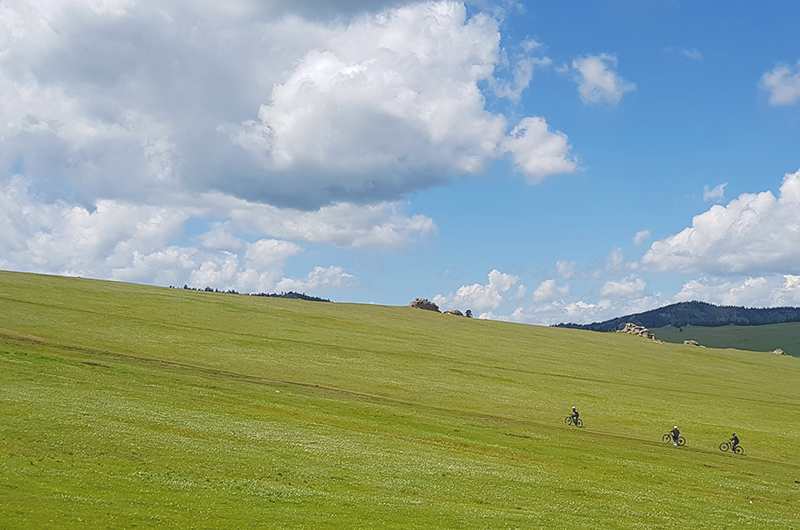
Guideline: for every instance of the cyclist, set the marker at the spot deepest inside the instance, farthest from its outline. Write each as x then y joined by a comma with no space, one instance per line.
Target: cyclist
675,434
734,442
574,416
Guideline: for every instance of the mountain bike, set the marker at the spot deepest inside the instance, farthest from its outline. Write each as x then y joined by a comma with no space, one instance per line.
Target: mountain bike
727,446
570,420
668,438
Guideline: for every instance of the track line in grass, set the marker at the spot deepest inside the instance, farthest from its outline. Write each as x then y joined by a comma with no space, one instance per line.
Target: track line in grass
492,419
688,447
448,359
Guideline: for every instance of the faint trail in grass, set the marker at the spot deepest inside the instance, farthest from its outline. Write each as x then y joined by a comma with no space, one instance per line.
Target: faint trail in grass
418,406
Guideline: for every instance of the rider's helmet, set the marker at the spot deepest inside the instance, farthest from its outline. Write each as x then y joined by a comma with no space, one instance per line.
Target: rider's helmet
676,426
573,408
734,434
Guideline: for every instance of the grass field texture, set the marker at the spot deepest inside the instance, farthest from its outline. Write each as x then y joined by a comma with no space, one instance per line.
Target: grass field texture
131,406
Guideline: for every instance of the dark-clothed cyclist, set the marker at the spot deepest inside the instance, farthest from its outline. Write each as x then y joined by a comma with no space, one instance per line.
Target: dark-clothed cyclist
675,434
575,415
734,441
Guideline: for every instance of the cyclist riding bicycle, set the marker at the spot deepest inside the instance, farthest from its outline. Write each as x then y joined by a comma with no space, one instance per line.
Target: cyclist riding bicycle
734,442
575,415
675,434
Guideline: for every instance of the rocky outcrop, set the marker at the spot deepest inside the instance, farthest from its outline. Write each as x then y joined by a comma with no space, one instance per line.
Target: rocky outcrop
424,303
453,312
779,351
691,342
633,329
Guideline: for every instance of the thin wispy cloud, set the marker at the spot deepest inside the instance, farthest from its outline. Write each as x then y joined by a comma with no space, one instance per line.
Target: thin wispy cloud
688,53
717,193
641,236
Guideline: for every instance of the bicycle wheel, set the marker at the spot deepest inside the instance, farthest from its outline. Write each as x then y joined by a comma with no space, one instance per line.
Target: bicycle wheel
568,420
667,438
579,423
681,441
738,450
724,447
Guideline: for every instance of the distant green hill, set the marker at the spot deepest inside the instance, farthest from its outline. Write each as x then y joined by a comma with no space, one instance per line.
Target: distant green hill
128,406
697,314
765,338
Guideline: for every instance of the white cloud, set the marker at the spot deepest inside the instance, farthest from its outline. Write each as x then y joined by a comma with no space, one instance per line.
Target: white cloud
286,122
69,239
521,293
380,225
531,44
641,236
717,193
522,73
551,304
692,53
760,291
392,104
624,288
315,9
537,151
121,100
549,291
318,280
580,311
220,237
753,234
615,261
479,297
566,269
557,312
597,80
129,242
783,85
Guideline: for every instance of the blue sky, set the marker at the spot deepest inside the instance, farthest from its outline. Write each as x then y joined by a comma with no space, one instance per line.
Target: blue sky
538,162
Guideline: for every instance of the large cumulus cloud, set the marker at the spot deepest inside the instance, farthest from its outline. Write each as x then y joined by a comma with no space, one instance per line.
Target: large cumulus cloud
755,233
139,98
275,123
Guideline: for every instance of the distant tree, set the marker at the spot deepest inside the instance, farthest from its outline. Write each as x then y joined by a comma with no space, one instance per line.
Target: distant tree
468,314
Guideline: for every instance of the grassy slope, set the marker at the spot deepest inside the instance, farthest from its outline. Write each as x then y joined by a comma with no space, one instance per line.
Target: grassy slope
126,405
755,338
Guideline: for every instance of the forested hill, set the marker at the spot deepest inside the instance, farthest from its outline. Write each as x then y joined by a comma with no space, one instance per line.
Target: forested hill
697,314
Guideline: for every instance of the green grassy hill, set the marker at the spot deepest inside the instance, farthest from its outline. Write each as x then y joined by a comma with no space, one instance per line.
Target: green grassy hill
755,338
125,405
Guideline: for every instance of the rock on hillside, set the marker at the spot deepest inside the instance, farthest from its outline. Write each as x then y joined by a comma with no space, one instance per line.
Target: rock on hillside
633,329
424,303
453,312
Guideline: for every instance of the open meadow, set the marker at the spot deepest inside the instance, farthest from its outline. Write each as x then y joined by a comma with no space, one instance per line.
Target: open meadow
764,338
132,406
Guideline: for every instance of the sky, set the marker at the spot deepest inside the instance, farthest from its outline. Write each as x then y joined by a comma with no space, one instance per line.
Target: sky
535,162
